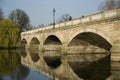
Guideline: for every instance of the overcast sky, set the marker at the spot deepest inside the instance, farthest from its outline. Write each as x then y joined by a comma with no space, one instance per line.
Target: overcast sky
40,11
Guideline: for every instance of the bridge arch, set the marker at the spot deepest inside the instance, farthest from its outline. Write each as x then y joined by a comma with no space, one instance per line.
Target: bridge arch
34,48
23,40
34,40
90,34
87,37
52,45
53,38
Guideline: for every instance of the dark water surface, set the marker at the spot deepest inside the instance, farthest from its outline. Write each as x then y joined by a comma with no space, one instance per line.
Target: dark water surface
12,69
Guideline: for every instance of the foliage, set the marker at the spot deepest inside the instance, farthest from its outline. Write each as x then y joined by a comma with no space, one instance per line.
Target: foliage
64,17
1,14
9,34
20,17
109,5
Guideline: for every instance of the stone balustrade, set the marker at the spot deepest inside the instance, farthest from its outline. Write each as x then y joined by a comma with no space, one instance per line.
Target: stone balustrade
85,19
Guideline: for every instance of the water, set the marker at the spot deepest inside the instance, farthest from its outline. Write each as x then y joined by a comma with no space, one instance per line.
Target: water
12,69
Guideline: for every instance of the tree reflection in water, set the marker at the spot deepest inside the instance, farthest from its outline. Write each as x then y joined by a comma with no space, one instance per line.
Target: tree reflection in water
10,65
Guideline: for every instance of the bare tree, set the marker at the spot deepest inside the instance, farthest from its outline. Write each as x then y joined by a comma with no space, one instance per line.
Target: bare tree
65,17
1,14
21,18
29,27
41,25
109,5
118,4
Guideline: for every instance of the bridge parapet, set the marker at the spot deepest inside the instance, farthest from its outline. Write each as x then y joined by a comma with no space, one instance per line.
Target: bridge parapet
90,18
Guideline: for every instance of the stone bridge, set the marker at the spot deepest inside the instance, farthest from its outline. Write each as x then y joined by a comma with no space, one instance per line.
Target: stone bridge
54,46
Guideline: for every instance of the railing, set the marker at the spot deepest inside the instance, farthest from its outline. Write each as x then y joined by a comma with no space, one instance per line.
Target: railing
90,18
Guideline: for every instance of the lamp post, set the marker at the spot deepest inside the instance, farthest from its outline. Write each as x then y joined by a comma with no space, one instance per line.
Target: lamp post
54,18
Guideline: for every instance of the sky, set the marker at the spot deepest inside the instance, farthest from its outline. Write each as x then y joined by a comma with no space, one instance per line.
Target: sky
41,11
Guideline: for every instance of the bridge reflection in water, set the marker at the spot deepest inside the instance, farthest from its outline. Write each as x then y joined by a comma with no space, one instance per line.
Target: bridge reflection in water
79,66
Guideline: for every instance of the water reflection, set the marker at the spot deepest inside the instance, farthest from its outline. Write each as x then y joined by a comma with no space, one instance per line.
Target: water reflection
21,73
85,66
101,69
96,70
8,62
115,69
52,58
34,55
12,69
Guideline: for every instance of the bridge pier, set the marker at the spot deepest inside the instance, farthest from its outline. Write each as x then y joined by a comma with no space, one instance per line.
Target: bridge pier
115,52
115,70
40,48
